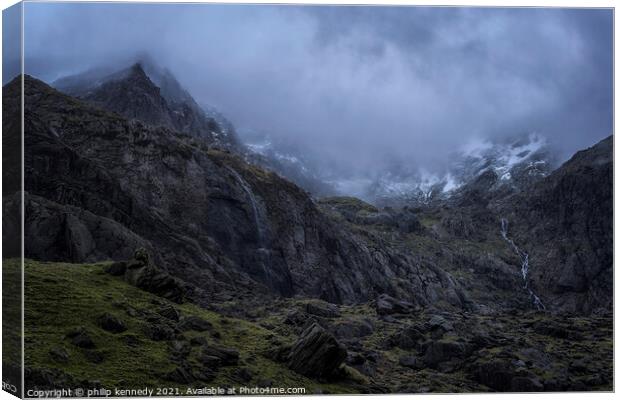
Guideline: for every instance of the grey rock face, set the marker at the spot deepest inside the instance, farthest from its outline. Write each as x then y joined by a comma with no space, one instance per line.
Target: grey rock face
152,95
386,305
209,218
204,215
569,211
317,353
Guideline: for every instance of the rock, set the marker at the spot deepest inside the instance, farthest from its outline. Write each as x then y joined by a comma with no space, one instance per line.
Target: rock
59,354
411,362
322,309
279,353
526,384
296,318
156,281
180,349
354,358
170,313
199,341
193,323
407,339
244,375
386,305
94,356
158,332
350,329
443,350
578,366
111,323
80,338
316,353
496,374
181,374
131,340
264,383
210,362
225,355
439,322
205,374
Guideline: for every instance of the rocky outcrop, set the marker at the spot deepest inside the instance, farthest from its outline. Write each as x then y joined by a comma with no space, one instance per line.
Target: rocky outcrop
564,223
317,353
144,274
133,94
205,215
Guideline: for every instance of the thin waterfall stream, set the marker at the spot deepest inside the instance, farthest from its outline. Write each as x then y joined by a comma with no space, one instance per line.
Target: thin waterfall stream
262,251
525,265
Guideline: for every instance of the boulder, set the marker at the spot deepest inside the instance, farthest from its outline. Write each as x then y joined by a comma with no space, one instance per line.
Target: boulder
439,322
225,355
496,374
316,353
351,329
170,313
193,323
526,384
407,338
386,305
443,350
80,338
140,272
111,323
322,309
158,332
181,374
411,362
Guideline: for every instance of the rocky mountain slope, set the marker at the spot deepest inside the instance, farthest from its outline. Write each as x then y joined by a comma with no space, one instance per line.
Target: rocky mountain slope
503,285
569,211
519,161
133,93
205,214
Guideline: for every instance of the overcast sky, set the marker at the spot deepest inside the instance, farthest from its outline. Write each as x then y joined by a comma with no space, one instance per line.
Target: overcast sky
362,86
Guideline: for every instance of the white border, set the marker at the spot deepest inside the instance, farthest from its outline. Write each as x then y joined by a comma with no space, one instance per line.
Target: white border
475,3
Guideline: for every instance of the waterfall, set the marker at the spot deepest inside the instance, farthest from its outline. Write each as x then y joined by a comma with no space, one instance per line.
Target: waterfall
263,254
260,234
525,265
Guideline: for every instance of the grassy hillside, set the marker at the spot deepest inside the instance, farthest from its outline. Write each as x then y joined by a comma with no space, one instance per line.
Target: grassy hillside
64,298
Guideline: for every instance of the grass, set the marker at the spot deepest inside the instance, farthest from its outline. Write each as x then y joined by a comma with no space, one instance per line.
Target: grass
61,297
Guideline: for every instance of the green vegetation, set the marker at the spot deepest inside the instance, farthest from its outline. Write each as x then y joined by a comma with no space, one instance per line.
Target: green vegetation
62,297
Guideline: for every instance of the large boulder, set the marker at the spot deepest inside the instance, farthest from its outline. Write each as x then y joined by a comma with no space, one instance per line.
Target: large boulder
386,305
496,374
111,323
443,350
316,353
144,274
322,309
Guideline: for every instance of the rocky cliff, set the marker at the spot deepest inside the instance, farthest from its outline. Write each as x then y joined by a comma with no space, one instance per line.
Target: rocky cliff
565,223
207,216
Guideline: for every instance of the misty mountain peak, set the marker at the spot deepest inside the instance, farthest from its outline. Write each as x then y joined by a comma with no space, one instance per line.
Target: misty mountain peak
150,93
138,70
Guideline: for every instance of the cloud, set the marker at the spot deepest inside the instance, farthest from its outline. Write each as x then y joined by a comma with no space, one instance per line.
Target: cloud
357,88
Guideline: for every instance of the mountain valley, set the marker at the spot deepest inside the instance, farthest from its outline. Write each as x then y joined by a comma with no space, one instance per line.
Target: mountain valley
223,263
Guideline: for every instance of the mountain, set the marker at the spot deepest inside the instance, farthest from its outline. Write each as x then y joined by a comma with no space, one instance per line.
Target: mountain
204,214
150,94
501,282
518,161
286,161
568,211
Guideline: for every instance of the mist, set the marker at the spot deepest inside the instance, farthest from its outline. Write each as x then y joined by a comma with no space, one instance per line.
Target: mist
357,88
